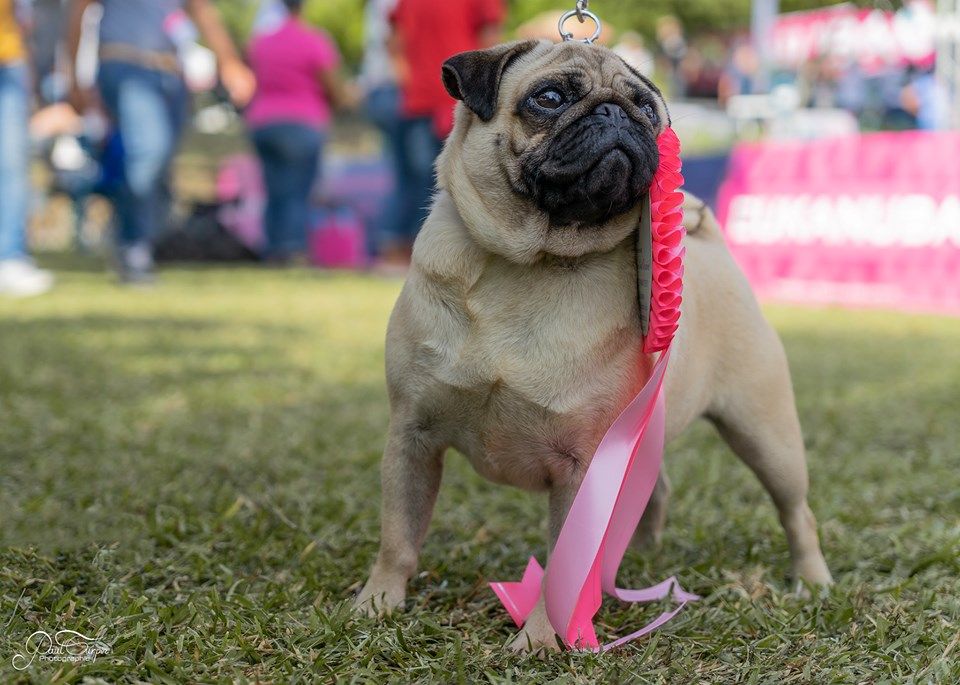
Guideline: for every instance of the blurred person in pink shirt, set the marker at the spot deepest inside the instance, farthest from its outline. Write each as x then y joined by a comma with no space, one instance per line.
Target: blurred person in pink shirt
298,84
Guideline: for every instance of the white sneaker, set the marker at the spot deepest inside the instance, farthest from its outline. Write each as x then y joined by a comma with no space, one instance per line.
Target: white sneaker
20,278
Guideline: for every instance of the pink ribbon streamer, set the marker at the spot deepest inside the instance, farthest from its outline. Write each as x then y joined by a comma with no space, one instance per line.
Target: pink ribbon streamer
614,493
624,470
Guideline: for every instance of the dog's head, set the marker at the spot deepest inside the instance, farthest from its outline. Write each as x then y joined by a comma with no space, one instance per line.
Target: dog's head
553,149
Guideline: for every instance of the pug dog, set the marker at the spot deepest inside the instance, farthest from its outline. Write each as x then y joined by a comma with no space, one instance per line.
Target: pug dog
516,339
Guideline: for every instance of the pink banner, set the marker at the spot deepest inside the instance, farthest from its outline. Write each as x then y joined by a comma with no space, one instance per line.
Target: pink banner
871,36
870,220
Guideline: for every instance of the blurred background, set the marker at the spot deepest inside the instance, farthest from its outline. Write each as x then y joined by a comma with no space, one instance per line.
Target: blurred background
212,204
824,134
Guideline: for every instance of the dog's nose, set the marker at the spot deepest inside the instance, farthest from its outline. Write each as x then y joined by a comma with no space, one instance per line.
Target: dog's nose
611,110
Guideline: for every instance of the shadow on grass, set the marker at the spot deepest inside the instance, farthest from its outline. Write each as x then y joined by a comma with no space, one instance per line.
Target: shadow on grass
206,490
101,262
76,262
110,419
107,418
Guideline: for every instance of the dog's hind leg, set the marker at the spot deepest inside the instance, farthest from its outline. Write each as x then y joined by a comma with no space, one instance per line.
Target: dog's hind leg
650,529
410,480
758,419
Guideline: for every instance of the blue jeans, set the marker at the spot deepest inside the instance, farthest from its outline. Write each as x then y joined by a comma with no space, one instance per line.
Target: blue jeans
418,149
382,109
14,160
290,157
149,109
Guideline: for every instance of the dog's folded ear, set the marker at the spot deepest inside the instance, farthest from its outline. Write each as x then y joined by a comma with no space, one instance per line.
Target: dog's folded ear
474,77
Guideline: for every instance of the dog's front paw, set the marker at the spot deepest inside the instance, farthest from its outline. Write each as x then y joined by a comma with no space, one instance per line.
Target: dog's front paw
811,573
537,635
378,598
535,640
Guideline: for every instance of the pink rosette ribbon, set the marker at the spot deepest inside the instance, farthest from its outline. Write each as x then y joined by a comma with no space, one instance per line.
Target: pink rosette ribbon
666,208
624,470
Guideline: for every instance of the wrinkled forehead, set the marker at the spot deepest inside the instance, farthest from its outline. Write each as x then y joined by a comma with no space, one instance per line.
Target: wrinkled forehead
595,66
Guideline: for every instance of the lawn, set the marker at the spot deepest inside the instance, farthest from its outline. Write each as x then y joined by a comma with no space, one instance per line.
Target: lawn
191,473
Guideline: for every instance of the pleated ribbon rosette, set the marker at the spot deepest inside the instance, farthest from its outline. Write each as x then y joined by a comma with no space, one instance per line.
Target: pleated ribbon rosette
624,470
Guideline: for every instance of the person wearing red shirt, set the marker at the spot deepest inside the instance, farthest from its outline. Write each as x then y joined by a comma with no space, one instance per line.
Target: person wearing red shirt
426,34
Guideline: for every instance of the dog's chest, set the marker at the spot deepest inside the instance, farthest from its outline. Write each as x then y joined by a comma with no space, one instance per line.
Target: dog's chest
542,360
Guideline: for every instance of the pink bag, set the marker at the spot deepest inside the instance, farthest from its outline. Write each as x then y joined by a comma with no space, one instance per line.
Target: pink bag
338,239
242,195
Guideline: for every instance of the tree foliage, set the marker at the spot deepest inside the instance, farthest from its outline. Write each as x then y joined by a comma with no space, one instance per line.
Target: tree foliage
344,18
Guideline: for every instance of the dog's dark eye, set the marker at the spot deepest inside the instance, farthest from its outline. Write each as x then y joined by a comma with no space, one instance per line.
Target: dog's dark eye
650,113
550,99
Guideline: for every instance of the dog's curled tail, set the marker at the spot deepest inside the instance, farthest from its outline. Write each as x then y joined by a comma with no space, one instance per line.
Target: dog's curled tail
698,218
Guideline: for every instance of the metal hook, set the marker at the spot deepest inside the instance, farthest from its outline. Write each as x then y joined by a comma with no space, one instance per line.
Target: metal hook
582,6
581,13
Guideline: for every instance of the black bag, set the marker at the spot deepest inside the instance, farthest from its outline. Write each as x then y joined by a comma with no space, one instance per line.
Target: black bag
201,238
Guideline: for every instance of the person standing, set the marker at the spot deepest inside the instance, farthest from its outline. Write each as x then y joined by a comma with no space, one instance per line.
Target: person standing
632,48
926,98
296,68
141,85
426,33
270,15
673,46
378,79
19,277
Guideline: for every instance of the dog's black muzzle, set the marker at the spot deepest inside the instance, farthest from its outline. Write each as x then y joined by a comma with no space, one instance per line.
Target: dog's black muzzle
596,168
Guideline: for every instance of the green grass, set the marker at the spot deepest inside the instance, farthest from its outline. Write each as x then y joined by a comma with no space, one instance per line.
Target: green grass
193,472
